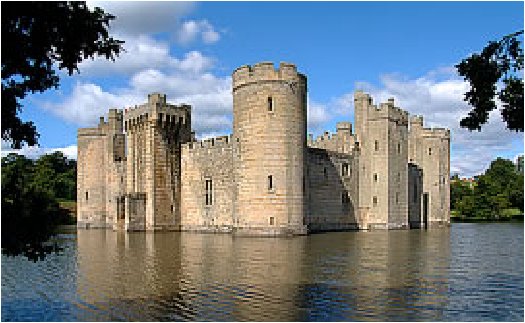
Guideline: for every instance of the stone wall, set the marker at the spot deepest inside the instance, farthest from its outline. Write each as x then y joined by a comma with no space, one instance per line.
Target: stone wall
269,122
143,169
382,136
430,151
343,141
155,131
210,160
331,191
91,176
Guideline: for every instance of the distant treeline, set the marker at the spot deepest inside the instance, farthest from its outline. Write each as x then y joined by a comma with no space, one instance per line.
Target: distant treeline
496,194
31,192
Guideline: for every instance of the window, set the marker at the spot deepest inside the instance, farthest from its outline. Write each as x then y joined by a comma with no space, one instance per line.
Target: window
87,196
181,120
374,200
270,104
398,148
429,151
398,177
270,182
344,169
397,197
375,177
272,220
345,198
209,190
325,173
377,145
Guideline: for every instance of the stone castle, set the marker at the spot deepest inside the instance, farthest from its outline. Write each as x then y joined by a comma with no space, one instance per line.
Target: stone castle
142,169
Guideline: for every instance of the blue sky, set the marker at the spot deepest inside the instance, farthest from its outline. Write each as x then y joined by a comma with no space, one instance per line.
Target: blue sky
404,50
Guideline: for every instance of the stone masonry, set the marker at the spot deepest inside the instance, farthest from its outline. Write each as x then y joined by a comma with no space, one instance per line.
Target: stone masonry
143,170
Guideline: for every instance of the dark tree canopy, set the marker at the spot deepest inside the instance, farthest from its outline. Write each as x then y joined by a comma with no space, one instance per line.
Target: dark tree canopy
31,191
37,38
499,62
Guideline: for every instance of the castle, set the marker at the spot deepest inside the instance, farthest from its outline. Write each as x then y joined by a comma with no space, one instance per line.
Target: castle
142,169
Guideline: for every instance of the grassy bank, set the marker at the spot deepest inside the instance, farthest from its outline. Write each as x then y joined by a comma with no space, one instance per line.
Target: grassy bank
507,215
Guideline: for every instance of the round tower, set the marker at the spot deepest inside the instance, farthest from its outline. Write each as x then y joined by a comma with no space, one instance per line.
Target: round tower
269,128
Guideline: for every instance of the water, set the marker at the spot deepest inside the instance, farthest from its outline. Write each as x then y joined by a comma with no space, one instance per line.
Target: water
470,272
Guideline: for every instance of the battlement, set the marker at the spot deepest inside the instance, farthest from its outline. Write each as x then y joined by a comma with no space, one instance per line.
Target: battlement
386,110
342,141
416,125
216,142
157,110
264,72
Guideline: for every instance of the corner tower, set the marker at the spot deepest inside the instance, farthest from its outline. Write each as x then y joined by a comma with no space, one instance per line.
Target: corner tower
269,129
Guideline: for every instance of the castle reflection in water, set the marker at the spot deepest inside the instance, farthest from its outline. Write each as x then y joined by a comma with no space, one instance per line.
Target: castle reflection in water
394,275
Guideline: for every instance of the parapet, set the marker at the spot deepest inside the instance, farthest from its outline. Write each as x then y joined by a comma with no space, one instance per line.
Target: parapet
206,144
158,110
344,127
265,71
416,125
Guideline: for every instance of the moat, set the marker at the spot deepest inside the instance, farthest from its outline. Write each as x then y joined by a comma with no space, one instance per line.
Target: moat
468,272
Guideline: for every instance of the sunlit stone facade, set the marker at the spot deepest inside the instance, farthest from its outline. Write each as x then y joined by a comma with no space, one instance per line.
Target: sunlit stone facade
142,169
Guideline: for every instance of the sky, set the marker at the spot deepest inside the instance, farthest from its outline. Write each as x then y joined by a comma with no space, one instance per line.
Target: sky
404,50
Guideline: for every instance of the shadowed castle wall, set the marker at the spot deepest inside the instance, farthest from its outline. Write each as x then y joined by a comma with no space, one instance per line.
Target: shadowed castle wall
332,191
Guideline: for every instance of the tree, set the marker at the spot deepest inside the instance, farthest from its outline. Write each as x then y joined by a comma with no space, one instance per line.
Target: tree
29,214
40,37
500,61
30,209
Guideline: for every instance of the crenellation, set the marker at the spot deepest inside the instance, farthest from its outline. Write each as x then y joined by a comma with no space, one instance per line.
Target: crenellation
143,169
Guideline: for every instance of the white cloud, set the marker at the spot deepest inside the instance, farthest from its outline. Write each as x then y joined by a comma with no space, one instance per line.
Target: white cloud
317,116
438,96
144,52
209,95
34,152
192,30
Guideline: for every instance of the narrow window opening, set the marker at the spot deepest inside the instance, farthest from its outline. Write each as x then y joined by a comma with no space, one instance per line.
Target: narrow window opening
272,220
377,145
209,190
375,177
325,173
398,148
397,197
87,196
374,200
429,151
344,169
270,104
270,182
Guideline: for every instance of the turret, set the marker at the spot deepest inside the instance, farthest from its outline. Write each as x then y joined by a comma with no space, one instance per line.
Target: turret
269,125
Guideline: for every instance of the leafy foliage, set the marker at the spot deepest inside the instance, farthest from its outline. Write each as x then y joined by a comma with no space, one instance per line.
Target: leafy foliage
40,37
500,61
493,194
30,211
